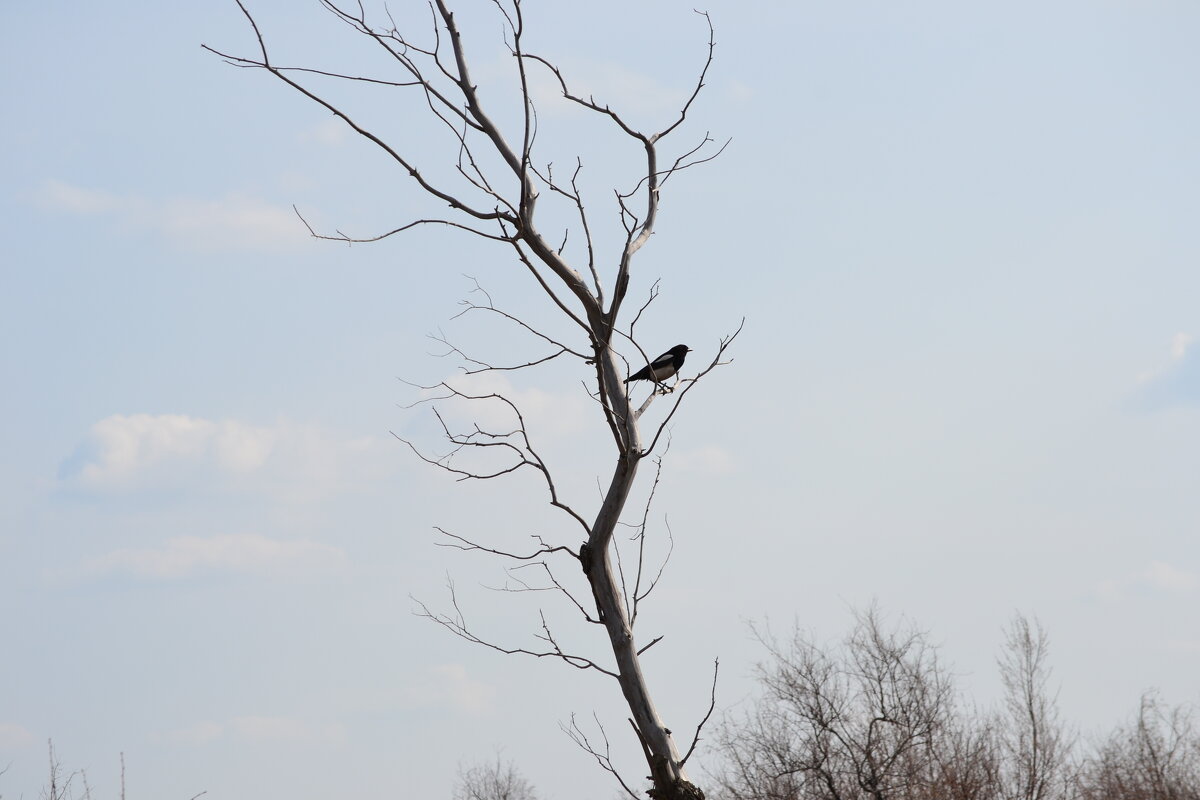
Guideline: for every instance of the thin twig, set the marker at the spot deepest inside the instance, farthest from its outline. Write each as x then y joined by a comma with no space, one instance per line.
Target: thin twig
712,704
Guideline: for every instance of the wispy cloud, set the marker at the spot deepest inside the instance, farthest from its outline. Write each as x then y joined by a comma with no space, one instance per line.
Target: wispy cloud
200,733
125,450
254,728
331,131
705,459
1177,382
184,556
60,196
450,686
546,413
287,729
234,222
630,93
127,453
739,92
1157,577
462,691
13,735
1191,646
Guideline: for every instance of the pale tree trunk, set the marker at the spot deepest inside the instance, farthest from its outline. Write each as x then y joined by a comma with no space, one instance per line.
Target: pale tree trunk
482,200
662,756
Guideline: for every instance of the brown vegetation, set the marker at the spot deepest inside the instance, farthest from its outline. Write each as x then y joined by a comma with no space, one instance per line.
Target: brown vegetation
879,719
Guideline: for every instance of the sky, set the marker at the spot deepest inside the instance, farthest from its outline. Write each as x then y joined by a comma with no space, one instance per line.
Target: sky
963,239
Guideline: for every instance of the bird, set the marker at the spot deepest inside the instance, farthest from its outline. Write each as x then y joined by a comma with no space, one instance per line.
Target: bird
662,367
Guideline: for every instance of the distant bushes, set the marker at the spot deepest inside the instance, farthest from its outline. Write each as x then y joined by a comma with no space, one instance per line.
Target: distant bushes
879,719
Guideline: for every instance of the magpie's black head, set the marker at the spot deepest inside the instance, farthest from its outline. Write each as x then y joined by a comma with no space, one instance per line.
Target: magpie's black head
679,350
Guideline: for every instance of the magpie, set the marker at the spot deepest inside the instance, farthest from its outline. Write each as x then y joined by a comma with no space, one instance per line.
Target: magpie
662,367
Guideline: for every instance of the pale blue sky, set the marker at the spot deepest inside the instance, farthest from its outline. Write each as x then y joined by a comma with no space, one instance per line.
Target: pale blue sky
965,241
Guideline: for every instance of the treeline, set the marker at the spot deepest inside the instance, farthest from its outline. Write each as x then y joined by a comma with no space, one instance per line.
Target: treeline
879,718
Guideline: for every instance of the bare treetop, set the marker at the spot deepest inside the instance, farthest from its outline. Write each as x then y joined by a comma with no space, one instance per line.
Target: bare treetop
501,189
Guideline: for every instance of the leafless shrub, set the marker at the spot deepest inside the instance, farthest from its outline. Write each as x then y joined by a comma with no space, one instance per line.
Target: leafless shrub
965,761
878,719
493,780
73,785
1154,757
860,723
60,785
1034,742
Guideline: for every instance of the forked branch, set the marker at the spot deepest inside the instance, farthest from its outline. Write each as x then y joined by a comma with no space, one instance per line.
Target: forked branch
717,361
603,756
457,625
493,190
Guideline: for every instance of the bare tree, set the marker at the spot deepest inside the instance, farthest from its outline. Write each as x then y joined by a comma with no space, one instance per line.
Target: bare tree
64,785
1035,743
60,784
878,719
966,760
859,723
497,191
1155,757
493,780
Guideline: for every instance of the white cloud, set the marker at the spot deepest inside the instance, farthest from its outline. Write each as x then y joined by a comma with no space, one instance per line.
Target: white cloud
1168,578
234,222
287,729
253,728
739,92
706,459
201,733
147,452
464,692
450,685
77,200
237,221
1179,345
1158,576
131,451
329,131
186,555
628,92
1175,383
13,735
546,413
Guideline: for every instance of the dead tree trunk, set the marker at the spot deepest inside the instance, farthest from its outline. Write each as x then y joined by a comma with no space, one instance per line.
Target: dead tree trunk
496,196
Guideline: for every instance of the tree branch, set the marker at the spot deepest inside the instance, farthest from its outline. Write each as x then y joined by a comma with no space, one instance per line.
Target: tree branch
458,626
712,704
